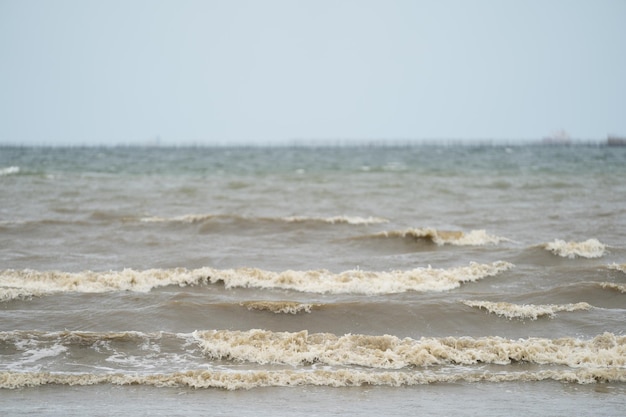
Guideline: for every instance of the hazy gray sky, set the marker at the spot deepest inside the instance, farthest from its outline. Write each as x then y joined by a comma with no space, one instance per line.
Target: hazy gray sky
108,72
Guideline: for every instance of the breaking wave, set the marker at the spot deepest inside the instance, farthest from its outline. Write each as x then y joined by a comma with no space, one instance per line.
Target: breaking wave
236,380
200,218
591,248
170,359
526,311
391,352
618,267
20,284
12,170
442,237
613,286
288,307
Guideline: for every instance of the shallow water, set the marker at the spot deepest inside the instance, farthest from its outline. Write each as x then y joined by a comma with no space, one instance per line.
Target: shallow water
392,276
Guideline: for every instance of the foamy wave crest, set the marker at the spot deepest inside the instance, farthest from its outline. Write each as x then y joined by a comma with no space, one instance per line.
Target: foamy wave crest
200,218
156,359
391,352
360,282
526,311
442,237
618,267
590,248
613,286
236,380
355,220
20,284
288,307
9,171
34,283
8,293
188,218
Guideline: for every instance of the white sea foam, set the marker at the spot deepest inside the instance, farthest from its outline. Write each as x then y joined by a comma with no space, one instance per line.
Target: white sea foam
360,282
525,311
391,352
36,350
618,267
9,171
24,283
354,220
381,360
590,248
25,293
443,237
613,286
235,380
199,218
34,355
288,307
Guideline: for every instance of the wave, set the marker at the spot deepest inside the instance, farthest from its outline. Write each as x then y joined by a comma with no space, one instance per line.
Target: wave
613,286
391,352
100,217
201,218
526,311
237,380
34,223
171,359
12,170
35,344
591,248
20,284
441,237
618,267
265,347
289,307
68,337
103,351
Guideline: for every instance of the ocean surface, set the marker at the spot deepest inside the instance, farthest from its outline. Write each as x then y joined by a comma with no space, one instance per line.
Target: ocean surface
358,280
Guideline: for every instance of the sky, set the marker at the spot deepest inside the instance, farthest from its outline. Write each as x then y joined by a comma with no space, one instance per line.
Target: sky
84,72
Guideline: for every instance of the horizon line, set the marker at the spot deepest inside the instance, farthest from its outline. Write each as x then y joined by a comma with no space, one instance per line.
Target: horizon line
334,142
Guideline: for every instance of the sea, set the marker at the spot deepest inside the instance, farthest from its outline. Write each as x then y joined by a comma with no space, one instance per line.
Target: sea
375,279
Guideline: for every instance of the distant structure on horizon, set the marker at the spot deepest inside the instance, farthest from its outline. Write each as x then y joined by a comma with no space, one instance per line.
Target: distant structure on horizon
613,140
560,137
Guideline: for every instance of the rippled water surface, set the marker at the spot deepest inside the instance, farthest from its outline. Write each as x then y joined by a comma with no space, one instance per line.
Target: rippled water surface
403,279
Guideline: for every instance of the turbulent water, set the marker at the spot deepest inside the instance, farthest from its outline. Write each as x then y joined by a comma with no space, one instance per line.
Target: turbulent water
436,277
